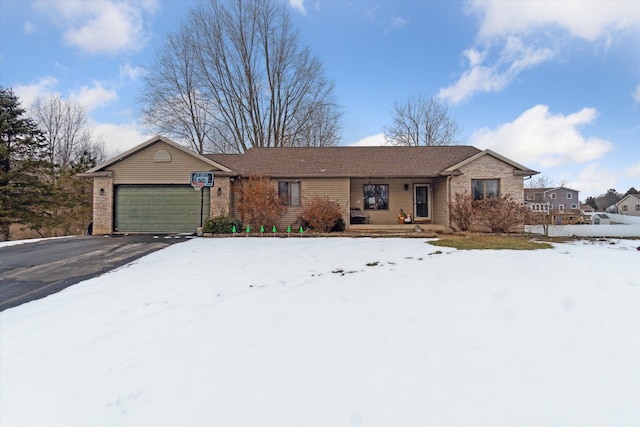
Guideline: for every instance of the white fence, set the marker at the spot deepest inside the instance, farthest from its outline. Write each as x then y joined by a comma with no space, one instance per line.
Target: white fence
587,230
623,219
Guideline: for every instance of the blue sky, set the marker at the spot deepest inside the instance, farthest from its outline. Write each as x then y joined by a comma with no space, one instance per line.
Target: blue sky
552,85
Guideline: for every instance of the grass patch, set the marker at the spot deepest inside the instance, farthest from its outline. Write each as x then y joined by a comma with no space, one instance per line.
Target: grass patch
490,241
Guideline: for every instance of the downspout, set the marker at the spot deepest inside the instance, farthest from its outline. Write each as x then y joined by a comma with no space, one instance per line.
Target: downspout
448,224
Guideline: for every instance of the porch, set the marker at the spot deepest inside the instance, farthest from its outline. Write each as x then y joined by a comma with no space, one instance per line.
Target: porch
396,228
398,204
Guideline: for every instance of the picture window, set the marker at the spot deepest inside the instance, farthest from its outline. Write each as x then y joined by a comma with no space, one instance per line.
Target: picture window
376,196
484,188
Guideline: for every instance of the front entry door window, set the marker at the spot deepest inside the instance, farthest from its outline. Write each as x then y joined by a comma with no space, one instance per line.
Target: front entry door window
421,201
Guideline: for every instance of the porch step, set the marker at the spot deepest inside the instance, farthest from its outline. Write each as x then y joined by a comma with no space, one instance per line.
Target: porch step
395,228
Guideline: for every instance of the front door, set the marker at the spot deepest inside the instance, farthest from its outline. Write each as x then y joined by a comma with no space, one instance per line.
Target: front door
421,201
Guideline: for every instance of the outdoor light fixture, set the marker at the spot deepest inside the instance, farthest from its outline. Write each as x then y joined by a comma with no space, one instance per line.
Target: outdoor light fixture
219,191
102,191
406,187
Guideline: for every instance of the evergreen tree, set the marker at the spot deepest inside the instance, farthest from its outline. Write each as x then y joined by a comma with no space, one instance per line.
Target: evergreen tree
24,194
632,190
591,201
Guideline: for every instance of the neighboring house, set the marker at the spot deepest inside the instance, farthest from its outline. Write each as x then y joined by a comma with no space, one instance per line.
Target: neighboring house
147,189
600,219
587,209
629,205
561,203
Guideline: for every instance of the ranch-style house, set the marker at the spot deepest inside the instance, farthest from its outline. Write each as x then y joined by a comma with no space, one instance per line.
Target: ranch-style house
148,188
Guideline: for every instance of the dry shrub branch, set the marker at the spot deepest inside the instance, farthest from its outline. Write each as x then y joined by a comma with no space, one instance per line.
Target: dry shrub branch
498,214
259,203
321,214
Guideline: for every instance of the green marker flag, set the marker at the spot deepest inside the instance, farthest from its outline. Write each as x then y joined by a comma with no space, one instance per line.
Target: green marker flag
262,228
289,229
233,230
301,231
273,229
248,229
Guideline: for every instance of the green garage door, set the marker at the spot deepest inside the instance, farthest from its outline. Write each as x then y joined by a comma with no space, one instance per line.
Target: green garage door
159,208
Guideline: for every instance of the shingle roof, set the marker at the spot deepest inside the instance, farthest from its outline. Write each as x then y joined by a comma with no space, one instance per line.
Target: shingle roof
365,162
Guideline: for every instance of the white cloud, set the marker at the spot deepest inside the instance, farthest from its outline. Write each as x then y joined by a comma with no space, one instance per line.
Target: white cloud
548,140
636,94
633,171
398,22
588,20
524,31
94,97
29,27
298,5
130,73
119,138
100,26
42,89
514,58
593,180
371,141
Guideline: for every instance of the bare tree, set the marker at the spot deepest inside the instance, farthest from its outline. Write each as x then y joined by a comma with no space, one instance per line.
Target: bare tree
540,181
421,121
235,76
171,101
64,125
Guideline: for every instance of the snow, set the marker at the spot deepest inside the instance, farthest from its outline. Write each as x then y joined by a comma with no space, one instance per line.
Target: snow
333,332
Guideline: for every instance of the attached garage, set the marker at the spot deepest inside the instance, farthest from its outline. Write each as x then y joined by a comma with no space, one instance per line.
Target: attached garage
159,208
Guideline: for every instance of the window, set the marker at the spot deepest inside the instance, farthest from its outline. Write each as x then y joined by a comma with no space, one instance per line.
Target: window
637,207
552,196
530,197
376,196
289,193
569,195
561,208
481,188
574,206
624,208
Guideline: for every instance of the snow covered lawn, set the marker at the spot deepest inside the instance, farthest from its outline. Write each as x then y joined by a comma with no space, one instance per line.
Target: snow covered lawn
334,332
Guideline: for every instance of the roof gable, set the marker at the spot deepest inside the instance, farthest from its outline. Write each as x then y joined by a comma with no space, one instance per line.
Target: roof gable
627,197
559,188
519,169
149,142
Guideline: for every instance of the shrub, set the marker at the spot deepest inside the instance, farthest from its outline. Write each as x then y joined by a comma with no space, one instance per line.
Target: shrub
461,209
221,225
259,203
500,214
322,214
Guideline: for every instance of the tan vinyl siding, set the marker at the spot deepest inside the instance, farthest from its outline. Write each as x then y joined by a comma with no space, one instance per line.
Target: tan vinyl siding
440,202
141,168
399,198
336,189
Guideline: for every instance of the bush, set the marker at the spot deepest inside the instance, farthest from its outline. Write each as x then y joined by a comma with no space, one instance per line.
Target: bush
500,214
259,203
221,225
322,214
461,209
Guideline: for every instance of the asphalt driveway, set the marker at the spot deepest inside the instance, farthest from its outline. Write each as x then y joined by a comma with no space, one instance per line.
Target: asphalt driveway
34,270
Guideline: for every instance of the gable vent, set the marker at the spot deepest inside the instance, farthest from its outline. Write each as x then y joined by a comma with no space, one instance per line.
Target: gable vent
162,156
